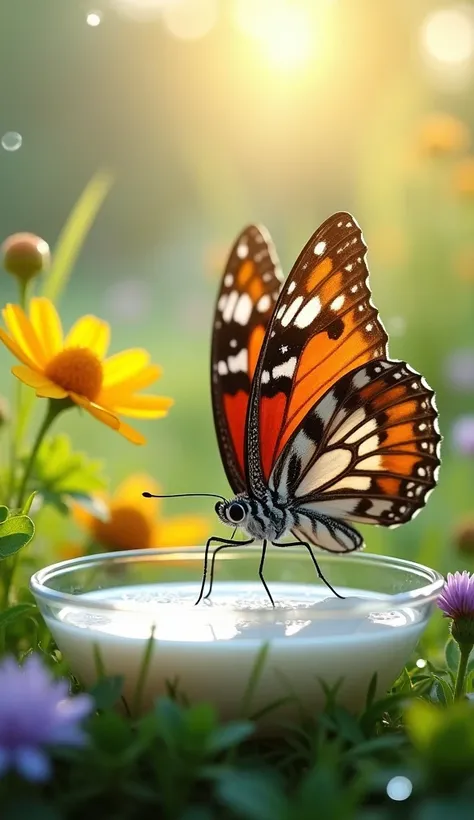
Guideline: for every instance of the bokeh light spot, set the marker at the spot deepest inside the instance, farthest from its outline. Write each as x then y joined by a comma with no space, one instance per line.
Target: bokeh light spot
190,19
11,141
94,19
448,35
399,788
421,663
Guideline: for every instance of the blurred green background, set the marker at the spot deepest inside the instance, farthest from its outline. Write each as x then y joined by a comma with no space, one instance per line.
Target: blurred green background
214,113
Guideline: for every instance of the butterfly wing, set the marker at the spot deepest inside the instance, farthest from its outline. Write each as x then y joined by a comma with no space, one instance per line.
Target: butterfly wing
367,452
323,326
248,293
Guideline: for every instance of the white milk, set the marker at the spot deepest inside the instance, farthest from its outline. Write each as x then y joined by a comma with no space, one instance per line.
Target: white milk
210,649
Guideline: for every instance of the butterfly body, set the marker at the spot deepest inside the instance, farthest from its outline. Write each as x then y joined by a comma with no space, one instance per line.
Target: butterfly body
317,427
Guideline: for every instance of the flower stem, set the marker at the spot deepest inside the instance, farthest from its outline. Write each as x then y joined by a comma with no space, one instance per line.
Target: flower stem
17,410
464,652
54,408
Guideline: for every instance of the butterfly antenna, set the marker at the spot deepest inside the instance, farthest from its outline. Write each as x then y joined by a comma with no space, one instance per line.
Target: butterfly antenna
185,495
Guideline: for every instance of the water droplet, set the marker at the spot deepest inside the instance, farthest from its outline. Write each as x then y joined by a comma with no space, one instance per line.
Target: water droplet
94,18
399,788
11,141
421,663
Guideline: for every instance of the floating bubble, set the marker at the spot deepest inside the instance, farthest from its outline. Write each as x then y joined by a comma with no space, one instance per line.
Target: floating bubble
399,788
11,141
94,18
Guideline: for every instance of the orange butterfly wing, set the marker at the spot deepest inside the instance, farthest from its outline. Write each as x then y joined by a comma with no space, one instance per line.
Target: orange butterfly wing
246,300
324,325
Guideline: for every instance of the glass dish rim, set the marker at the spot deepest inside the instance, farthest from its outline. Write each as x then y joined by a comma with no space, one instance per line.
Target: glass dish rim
38,581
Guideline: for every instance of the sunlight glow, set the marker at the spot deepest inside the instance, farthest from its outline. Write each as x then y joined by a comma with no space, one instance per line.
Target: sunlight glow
283,30
94,18
190,19
447,35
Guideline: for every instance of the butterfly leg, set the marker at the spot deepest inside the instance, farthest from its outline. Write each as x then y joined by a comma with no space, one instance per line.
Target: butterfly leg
213,562
260,572
317,567
225,542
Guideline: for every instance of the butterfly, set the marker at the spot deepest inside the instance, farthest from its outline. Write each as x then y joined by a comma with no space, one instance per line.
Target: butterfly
318,429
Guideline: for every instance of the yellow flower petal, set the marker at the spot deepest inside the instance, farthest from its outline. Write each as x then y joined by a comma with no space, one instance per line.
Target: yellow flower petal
144,407
24,334
131,434
182,531
98,412
44,387
47,324
122,366
110,395
129,494
90,332
17,351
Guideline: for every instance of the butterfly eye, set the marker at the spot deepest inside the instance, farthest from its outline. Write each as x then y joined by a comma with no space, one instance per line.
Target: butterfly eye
236,513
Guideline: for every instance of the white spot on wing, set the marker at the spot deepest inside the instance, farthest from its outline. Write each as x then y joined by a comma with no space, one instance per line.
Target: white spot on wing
324,469
357,482
338,302
371,463
243,309
291,287
242,250
356,418
264,303
238,363
285,369
308,313
228,311
292,311
319,248
369,427
367,446
361,379
222,368
265,376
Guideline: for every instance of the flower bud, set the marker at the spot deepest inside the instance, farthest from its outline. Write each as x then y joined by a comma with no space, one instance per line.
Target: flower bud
464,537
25,255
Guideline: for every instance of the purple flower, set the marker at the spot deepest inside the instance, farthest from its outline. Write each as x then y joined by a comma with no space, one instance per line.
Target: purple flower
463,435
457,598
36,711
459,369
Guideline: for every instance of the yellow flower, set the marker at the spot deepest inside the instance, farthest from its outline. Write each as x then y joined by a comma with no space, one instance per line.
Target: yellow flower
442,134
135,523
463,177
75,367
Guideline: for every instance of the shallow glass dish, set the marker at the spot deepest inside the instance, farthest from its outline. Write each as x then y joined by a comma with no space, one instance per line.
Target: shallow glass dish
111,604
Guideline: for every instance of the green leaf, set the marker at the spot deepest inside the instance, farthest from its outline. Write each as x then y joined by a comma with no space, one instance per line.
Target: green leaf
13,613
252,795
226,737
74,233
451,653
27,505
61,476
107,691
16,532
4,513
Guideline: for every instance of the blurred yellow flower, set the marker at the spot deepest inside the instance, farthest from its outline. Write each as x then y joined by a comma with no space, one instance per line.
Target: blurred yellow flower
442,134
75,367
135,522
463,177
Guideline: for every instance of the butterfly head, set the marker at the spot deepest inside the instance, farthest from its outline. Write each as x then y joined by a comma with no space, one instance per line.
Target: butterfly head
234,513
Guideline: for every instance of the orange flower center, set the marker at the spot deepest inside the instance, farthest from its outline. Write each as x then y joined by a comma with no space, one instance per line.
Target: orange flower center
76,369
126,529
